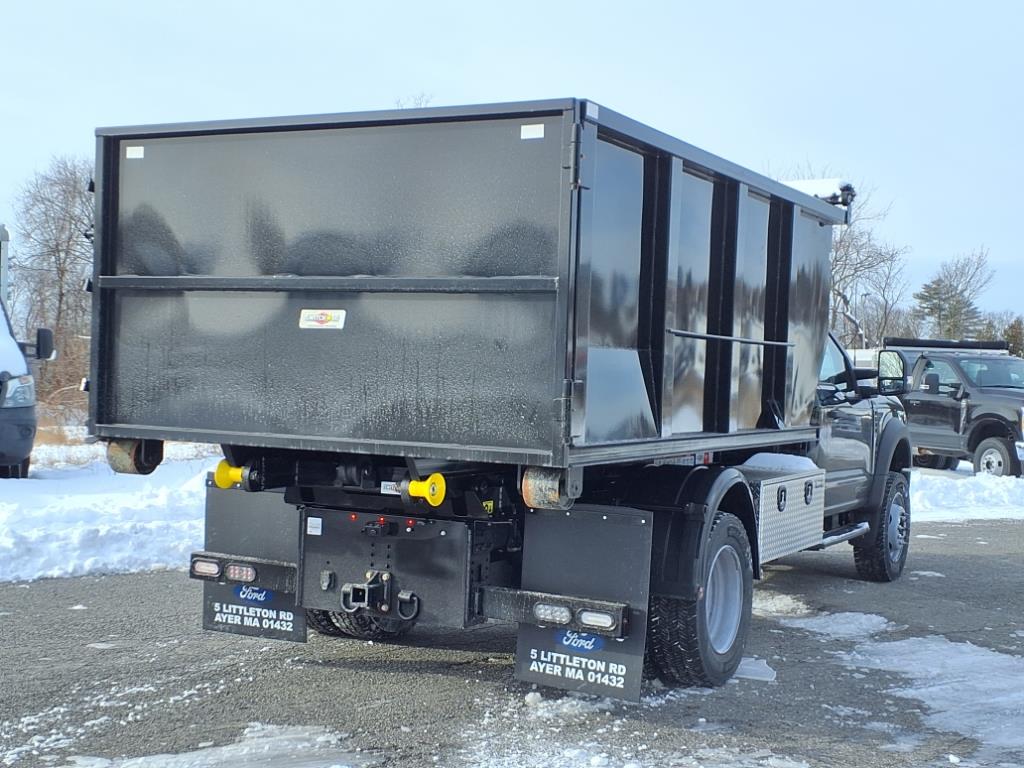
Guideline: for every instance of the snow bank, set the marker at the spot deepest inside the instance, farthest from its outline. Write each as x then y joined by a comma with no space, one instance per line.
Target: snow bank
261,745
70,522
951,497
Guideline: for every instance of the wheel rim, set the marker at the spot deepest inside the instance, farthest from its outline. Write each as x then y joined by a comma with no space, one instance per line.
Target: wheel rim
991,462
723,599
897,524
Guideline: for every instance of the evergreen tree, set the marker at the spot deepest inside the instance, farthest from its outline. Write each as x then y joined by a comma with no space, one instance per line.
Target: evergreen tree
1014,335
948,300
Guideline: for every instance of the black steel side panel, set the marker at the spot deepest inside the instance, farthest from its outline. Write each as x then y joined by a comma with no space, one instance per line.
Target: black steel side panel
596,552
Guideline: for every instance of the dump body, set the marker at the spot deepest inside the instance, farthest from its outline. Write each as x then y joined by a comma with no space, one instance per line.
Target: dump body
544,283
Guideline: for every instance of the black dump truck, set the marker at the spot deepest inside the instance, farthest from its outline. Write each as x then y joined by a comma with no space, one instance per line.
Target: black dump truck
964,401
529,362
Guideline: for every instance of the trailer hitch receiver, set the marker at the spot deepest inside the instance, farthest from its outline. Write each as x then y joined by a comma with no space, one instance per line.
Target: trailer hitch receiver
376,594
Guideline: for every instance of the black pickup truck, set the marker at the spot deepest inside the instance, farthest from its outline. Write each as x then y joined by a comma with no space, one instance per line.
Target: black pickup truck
965,400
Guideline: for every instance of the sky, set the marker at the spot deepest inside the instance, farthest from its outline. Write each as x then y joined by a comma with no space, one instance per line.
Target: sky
920,103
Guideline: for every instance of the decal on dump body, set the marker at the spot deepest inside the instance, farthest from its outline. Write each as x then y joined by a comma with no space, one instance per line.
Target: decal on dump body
322,318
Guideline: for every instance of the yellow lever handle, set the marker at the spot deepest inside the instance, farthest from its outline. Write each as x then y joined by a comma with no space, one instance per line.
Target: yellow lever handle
226,476
431,490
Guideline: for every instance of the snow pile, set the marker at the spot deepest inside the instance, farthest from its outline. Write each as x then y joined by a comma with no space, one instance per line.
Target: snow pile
781,462
950,497
70,522
841,626
79,454
574,732
261,745
969,690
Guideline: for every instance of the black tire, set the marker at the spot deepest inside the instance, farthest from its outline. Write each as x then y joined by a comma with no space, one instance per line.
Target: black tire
321,623
950,463
700,642
927,461
359,625
881,554
996,456
15,471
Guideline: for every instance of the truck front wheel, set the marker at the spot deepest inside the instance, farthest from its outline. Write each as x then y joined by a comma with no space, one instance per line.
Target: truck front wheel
881,553
700,642
995,456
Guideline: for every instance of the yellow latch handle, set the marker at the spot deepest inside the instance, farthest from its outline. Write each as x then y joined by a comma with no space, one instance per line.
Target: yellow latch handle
225,476
432,489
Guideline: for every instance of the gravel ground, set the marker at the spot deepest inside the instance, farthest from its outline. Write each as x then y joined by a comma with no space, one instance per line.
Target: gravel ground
118,666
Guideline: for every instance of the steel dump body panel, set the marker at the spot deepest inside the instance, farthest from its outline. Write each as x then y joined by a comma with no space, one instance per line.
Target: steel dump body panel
441,283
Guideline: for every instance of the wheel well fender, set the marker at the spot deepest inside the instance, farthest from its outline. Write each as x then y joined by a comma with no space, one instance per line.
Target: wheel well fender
684,501
893,456
988,427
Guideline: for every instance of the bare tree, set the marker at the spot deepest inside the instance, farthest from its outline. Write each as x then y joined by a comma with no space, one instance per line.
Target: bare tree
416,101
868,283
51,260
881,293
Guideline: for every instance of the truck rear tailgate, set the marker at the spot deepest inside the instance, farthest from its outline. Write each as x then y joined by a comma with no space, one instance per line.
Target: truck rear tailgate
386,288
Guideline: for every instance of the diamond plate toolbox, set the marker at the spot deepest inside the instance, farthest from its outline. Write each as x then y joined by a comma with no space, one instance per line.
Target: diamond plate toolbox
790,510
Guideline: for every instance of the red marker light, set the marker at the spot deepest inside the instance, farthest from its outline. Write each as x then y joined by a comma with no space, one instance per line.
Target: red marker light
353,517
381,520
410,522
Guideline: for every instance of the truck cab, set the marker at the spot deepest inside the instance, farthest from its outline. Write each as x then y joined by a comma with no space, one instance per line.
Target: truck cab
964,401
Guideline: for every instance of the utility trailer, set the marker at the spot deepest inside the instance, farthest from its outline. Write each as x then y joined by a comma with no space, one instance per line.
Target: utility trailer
531,362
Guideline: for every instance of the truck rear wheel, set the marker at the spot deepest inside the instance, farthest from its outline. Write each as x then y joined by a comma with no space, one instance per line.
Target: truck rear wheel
359,625
700,642
881,553
995,456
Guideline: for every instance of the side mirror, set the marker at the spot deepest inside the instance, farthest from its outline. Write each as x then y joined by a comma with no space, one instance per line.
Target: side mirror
892,373
931,383
44,345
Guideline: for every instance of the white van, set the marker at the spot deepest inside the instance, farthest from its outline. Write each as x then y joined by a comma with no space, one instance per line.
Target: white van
18,397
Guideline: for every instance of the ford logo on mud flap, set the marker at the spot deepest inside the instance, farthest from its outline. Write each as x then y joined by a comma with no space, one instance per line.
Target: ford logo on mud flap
578,641
253,594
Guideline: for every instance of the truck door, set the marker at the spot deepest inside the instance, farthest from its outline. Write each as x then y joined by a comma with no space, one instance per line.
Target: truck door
845,435
933,413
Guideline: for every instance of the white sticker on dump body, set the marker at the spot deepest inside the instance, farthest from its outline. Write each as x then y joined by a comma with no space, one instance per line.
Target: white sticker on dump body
322,318
134,153
531,131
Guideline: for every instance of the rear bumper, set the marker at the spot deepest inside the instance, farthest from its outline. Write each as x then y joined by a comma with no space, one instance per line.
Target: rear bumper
17,433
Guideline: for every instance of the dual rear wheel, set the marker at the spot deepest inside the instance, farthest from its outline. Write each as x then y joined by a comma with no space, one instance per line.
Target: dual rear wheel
360,625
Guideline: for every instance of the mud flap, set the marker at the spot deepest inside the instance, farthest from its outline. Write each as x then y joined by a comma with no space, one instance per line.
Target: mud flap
261,530
246,609
596,552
